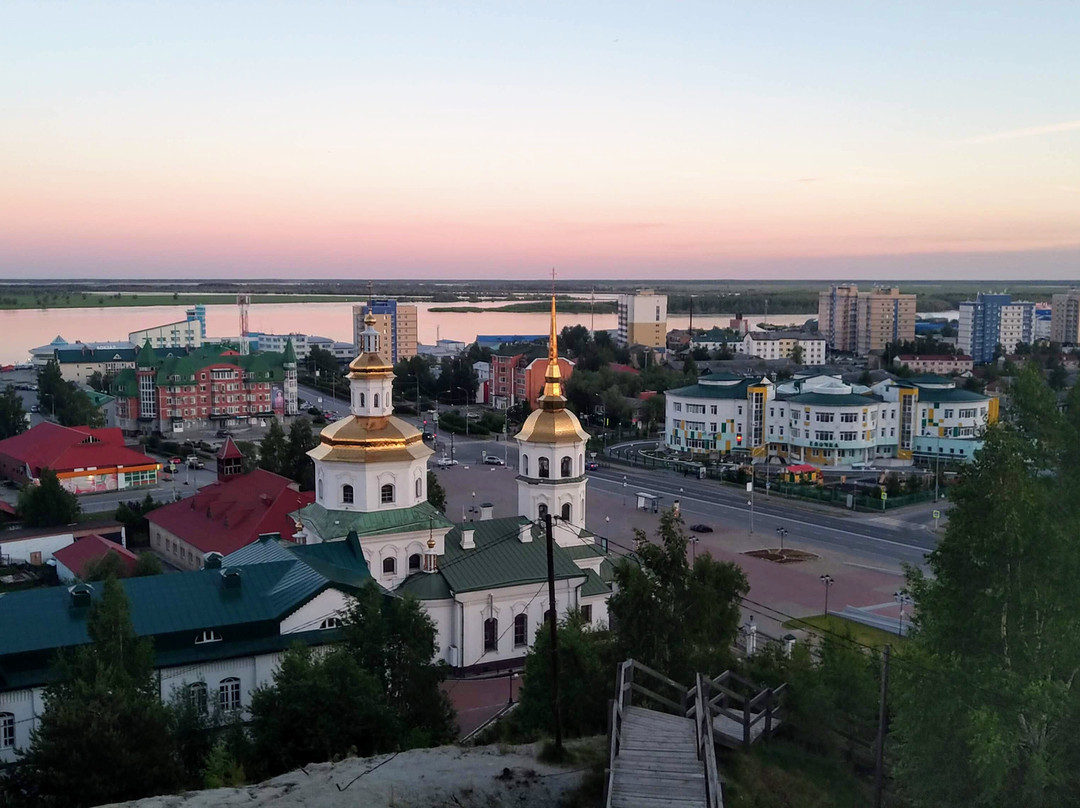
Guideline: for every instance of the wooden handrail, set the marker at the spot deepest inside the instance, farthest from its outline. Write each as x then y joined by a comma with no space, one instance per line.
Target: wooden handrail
706,750
622,694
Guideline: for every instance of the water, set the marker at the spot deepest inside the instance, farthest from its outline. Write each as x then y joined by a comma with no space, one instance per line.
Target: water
23,329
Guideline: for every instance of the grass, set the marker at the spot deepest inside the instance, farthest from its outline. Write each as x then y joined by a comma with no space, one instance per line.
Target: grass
80,300
833,624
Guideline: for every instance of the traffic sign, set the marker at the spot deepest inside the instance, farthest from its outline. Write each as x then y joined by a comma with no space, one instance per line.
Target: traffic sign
884,496
937,514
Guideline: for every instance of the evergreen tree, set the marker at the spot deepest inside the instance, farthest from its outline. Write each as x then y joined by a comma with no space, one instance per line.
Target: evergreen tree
436,494
273,451
48,503
104,735
298,466
12,413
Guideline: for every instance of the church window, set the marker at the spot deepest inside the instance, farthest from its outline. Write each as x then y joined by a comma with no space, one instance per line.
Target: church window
566,511
581,464
521,630
586,613
207,636
525,465
386,494
414,562
419,488
544,467
197,698
547,616
542,510
362,404
566,467
491,635
375,400
7,730
347,494
229,695
389,565
330,622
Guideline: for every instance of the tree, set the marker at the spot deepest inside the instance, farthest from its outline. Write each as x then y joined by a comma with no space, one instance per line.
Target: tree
394,639
12,414
990,680
48,503
575,339
108,566
70,405
104,735
250,451
797,354
50,384
298,466
147,564
436,494
698,605
324,363
361,721
273,451
653,411
690,370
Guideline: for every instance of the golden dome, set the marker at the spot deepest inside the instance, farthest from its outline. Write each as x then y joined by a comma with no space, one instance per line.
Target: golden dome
552,426
368,364
360,439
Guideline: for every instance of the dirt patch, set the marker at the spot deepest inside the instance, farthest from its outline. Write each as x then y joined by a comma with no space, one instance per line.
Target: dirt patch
785,556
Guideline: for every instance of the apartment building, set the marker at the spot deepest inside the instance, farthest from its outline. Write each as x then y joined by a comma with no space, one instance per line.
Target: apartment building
187,333
782,345
863,322
943,364
991,320
643,320
1065,318
397,327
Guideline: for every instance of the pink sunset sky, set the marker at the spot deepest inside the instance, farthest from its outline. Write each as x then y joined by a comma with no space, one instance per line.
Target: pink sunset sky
713,140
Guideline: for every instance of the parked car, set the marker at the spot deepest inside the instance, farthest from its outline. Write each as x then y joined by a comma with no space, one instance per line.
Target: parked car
591,465
223,433
193,462
35,408
492,460
700,529
445,462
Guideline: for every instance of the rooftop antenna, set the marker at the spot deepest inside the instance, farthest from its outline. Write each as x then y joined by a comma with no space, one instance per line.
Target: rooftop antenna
592,311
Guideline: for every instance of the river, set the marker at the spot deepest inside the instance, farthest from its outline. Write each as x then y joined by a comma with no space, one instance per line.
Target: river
23,329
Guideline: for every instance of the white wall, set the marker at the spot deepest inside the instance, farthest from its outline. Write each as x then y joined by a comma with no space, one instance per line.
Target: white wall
20,549
366,480
331,603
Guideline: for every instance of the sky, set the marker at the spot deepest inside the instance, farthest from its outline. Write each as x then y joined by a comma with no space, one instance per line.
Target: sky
499,139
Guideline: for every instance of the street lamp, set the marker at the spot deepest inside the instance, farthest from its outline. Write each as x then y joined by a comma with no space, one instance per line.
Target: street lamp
466,392
693,544
903,598
781,532
510,675
828,581
624,490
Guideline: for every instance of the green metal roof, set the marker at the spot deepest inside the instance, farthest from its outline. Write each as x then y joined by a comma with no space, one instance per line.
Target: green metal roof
290,352
584,551
954,396
426,586
499,558
594,585
333,524
146,357
125,385
831,399
98,399
928,378
715,390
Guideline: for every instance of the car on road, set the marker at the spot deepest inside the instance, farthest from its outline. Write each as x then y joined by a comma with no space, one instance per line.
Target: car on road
35,408
591,465
862,467
699,528
223,433
445,462
193,462
492,460
429,436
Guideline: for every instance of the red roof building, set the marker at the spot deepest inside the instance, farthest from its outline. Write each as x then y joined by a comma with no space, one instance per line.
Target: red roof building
72,561
225,516
85,460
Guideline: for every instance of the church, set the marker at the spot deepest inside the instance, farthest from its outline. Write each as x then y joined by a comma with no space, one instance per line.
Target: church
483,583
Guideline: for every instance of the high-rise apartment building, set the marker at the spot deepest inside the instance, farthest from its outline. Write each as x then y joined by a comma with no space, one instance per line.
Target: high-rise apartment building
862,322
1065,318
992,320
396,324
643,320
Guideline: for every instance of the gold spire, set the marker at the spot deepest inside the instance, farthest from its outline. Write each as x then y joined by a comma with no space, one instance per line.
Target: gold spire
553,376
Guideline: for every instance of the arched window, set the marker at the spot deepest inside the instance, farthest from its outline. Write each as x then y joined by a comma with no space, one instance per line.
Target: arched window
542,510
566,511
414,562
491,635
566,466
525,465
521,630
389,565
318,488
386,493
547,616
346,494
7,730
362,400
330,622
544,467
419,488
197,698
581,464
375,400
207,636
229,695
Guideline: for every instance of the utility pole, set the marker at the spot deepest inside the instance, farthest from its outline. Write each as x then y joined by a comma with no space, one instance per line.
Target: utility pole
554,636
879,753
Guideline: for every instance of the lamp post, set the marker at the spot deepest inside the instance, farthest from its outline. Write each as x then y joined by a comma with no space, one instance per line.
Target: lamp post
510,676
473,511
466,392
693,544
624,490
903,598
782,533
828,581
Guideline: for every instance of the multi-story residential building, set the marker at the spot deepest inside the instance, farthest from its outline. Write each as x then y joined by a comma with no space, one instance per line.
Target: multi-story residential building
187,333
81,361
210,387
1065,318
782,345
40,356
396,324
823,421
517,376
1043,320
275,343
863,322
992,320
716,339
643,320
934,363
342,351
